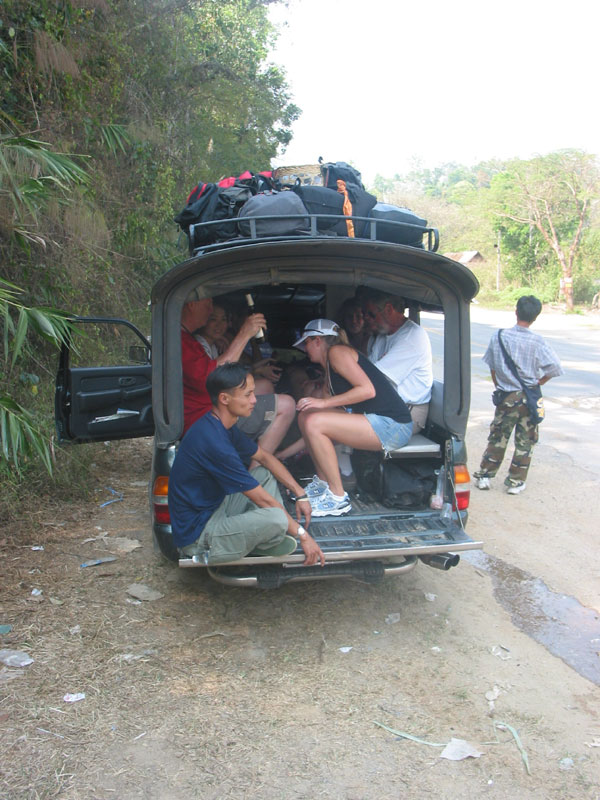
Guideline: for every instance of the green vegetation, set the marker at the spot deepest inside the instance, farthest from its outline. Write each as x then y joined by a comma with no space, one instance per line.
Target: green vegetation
109,113
534,221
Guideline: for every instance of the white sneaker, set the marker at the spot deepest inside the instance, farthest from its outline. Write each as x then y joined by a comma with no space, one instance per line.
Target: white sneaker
316,487
516,488
483,483
327,506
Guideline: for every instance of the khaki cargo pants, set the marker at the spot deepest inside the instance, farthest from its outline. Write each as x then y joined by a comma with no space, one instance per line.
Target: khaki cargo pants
239,525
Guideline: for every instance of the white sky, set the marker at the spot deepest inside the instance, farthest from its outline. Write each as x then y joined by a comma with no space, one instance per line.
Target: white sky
384,82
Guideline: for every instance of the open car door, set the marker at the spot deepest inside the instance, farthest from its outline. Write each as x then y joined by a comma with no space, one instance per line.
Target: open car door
104,382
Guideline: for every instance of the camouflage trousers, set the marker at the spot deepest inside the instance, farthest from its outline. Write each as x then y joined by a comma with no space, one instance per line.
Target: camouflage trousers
511,414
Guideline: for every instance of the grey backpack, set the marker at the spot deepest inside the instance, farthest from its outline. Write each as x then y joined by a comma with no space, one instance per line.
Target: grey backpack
286,205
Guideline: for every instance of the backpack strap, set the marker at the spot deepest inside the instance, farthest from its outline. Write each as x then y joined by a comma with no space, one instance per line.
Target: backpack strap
511,364
347,207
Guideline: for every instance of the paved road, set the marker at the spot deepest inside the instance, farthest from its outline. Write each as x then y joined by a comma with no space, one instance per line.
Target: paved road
572,401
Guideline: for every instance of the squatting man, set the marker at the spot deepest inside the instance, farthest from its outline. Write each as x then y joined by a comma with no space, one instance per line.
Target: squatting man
219,507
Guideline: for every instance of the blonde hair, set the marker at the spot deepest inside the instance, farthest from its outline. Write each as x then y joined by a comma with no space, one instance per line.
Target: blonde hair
341,337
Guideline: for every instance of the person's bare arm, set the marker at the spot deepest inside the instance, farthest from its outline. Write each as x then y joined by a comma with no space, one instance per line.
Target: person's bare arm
249,329
265,368
493,371
284,476
291,449
345,362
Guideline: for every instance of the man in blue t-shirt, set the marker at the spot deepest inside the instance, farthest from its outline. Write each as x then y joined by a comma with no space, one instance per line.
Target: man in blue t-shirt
217,506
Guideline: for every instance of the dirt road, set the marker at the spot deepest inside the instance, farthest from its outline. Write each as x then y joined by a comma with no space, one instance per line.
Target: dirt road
213,692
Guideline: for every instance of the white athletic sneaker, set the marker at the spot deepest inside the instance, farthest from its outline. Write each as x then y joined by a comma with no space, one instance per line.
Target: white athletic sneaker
327,506
483,483
516,488
316,487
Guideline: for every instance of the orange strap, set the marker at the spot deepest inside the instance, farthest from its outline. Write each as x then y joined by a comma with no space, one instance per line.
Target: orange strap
347,207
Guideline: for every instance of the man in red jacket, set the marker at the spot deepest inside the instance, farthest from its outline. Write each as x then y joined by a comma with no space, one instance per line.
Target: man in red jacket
272,414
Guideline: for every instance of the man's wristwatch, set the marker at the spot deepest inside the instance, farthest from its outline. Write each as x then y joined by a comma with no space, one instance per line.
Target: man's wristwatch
302,532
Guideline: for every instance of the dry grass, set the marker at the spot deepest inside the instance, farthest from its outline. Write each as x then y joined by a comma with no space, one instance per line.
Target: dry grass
213,692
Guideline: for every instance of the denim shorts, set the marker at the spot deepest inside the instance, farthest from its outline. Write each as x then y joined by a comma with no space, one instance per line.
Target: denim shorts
390,433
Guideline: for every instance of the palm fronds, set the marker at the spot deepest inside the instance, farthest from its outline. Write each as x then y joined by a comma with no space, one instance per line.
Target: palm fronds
115,137
31,173
20,437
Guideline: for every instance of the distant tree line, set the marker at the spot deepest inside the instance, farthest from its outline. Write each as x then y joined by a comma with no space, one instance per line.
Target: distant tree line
542,213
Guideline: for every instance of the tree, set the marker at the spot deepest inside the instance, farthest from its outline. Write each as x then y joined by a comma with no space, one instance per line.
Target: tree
552,196
20,434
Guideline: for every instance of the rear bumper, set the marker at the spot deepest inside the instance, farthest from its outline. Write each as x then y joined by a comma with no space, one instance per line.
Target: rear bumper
297,558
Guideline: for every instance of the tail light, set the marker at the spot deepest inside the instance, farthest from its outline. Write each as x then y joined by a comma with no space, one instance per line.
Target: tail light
462,487
160,500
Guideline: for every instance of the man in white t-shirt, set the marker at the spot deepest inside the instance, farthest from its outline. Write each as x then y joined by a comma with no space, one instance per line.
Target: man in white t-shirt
401,350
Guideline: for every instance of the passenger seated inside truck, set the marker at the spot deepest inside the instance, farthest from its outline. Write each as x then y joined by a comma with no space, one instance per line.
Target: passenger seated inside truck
272,414
351,318
401,350
212,335
359,408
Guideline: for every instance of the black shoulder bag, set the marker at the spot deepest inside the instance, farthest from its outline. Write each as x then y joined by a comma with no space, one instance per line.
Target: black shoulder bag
533,394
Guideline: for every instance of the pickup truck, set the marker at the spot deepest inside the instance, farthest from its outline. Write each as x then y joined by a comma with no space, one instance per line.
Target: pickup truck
138,391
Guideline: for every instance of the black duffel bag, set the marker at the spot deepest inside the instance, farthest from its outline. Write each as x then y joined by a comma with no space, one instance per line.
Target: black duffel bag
406,486
391,483
401,233
319,200
274,204
362,203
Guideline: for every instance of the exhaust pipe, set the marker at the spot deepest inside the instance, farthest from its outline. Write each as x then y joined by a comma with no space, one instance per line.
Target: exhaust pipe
441,561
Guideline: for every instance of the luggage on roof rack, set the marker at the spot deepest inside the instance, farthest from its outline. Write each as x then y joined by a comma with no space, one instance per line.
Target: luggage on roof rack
278,214
406,227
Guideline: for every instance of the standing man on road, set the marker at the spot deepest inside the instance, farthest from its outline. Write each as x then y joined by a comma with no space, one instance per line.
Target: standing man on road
220,509
536,363
402,351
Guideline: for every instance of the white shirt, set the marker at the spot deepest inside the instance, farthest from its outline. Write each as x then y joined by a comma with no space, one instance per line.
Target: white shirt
405,357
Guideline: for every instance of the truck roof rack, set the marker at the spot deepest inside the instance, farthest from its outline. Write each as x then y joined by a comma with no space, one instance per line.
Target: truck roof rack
431,238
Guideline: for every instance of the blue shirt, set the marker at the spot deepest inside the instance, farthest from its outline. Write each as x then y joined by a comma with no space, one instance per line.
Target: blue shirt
209,465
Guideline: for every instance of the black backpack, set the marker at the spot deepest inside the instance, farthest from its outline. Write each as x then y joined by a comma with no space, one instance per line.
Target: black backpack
212,205
335,171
